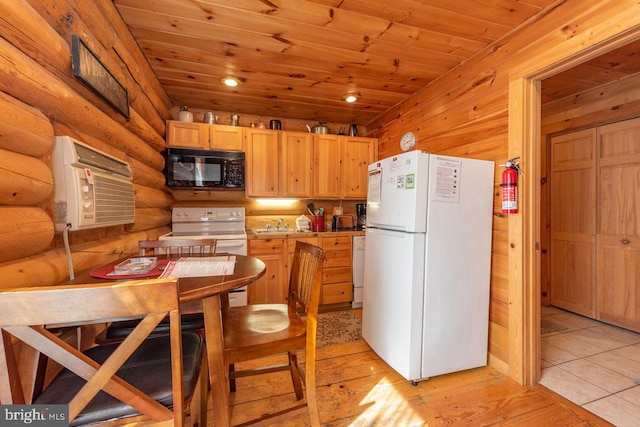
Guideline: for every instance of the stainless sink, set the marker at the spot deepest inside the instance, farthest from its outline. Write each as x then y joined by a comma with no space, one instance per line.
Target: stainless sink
278,231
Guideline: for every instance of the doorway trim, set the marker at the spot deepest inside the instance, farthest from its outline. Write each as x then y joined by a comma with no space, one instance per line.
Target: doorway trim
524,261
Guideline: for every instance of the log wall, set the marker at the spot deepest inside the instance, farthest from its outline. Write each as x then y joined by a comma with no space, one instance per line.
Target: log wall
467,113
39,99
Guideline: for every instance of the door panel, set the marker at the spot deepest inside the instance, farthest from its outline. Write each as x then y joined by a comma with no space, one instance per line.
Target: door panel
393,298
573,222
573,277
618,253
618,279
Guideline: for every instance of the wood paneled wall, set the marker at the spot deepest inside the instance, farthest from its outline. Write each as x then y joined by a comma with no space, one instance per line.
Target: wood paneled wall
468,113
39,99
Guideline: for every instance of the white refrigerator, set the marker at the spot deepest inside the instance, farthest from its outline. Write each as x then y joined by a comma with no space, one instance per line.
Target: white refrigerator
427,263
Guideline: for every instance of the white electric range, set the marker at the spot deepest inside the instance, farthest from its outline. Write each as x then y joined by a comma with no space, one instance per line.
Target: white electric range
226,224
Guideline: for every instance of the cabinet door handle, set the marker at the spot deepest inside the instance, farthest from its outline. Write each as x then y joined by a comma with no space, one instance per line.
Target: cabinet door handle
625,241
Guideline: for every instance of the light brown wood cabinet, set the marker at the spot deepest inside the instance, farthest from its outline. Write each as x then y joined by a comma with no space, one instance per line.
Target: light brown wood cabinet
204,136
296,160
336,282
273,286
326,171
341,164
187,135
223,137
595,223
262,169
278,163
277,254
357,154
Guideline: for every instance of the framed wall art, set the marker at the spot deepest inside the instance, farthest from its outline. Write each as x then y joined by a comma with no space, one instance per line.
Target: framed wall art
88,68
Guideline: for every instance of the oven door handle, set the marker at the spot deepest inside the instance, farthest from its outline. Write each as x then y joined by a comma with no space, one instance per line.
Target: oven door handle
229,244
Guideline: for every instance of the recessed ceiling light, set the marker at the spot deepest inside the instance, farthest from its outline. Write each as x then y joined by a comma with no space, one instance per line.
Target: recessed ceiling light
230,81
350,97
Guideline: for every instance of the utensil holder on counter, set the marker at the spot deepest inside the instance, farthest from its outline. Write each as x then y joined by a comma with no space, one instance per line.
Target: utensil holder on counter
317,223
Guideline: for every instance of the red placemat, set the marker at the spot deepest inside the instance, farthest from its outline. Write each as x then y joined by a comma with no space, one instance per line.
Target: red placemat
103,272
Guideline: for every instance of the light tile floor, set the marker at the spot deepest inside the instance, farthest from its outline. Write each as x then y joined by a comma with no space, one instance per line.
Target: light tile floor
593,364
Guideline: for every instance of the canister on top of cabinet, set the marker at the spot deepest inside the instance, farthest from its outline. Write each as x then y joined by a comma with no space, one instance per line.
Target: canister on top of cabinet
185,115
210,118
275,124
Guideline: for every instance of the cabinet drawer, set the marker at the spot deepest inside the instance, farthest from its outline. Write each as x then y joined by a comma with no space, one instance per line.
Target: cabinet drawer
337,259
337,292
265,246
336,275
336,243
291,242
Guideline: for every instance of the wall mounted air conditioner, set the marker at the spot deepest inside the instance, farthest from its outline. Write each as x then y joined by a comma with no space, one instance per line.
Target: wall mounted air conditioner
91,189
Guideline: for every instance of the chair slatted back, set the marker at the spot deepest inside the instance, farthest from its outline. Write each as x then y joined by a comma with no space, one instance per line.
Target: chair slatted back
181,247
23,312
306,276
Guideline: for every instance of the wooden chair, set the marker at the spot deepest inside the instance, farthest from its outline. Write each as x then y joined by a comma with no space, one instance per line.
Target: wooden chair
117,331
182,247
281,330
140,377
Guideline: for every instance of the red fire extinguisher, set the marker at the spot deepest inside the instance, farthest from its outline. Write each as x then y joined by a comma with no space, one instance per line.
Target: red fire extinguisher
509,186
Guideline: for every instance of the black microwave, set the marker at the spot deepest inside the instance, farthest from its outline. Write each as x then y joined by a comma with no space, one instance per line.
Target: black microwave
222,170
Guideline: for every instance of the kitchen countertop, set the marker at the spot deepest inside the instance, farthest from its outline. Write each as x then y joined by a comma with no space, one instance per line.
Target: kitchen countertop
281,234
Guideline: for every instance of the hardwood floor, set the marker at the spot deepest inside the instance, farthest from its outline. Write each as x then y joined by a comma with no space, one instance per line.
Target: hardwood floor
356,388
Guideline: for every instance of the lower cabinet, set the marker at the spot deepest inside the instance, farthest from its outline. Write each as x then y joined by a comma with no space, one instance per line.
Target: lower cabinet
336,283
273,286
277,254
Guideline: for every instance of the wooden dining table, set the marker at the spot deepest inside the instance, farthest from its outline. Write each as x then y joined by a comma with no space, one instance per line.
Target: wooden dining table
211,292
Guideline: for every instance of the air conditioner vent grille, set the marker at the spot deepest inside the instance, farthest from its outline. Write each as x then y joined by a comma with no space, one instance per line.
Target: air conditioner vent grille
114,201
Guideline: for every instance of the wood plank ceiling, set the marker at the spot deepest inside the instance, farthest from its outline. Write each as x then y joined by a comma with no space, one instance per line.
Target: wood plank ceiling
297,58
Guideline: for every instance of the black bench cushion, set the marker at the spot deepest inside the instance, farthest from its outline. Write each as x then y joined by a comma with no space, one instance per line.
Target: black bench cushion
148,369
190,322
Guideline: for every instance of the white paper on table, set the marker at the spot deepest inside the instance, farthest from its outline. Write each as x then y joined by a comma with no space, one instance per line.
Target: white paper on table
200,267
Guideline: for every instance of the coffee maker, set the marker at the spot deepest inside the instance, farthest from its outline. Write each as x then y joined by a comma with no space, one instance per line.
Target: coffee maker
361,212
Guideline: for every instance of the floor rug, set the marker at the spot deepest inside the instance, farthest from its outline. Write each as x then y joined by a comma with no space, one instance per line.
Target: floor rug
338,327
547,326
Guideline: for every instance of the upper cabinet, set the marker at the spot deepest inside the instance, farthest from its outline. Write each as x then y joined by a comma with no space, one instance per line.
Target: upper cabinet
357,154
223,137
296,160
187,135
262,170
284,163
341,164
278,163
326,171
204,136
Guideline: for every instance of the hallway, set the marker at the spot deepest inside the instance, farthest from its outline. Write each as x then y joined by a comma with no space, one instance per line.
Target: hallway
593,364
